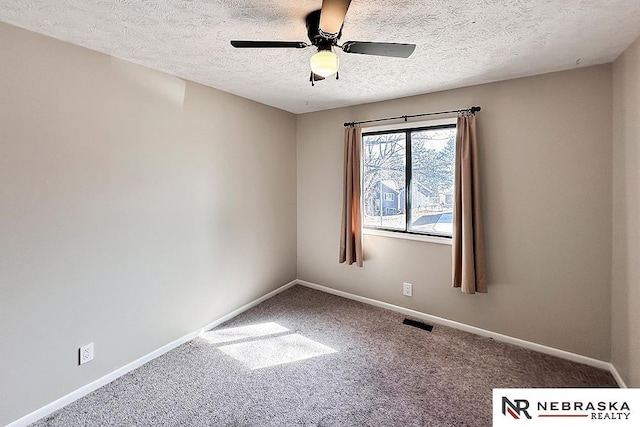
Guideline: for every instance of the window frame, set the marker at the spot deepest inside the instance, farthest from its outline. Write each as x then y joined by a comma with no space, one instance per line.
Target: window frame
406,128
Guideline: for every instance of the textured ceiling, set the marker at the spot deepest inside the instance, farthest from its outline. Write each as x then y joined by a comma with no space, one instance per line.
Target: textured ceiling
459,42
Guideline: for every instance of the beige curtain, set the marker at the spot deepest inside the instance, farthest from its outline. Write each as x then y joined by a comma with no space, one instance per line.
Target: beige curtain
351,230
469,263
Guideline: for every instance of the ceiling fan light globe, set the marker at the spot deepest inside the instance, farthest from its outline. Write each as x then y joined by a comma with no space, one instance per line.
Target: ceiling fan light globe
324,63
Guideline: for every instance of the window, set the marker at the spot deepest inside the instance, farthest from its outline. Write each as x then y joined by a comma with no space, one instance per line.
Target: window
420,159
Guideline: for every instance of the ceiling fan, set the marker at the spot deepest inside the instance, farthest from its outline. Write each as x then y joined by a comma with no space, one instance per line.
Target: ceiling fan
324,28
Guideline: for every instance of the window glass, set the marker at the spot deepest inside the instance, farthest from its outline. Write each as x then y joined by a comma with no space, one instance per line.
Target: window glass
384,157
432,165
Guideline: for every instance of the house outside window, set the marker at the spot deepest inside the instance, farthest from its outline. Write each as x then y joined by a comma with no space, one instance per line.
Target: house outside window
420,159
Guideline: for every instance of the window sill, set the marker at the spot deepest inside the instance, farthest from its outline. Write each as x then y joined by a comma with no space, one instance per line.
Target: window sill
407,236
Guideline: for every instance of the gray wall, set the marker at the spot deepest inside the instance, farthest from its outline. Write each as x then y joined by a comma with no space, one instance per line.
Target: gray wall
546,180
626,216
135,207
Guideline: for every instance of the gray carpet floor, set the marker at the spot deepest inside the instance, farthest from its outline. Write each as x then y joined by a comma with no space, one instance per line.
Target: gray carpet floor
367,369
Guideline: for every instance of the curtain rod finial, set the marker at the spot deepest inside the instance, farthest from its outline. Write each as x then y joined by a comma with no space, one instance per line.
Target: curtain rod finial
475,109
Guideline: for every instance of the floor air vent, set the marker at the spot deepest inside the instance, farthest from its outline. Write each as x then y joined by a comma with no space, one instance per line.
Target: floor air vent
418,324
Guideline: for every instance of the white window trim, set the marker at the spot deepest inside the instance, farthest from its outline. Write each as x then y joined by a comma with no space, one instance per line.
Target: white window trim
407,236
403,234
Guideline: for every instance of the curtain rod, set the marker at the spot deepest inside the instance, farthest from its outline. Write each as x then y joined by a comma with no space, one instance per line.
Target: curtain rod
471,110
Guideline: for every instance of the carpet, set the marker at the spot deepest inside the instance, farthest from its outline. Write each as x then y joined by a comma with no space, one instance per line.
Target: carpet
307,358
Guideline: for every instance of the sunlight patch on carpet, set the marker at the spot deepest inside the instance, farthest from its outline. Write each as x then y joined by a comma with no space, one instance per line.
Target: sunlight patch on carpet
243,332
274,351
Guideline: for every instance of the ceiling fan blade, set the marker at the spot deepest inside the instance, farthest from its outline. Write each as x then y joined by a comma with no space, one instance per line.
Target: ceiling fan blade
396,50
267,44
332,15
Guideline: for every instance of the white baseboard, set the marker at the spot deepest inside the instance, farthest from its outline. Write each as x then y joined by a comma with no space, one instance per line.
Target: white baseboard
246,307
607,366
86,389
616,376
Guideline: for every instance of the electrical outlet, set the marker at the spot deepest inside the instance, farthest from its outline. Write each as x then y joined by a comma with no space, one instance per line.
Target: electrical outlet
407,289
86,353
